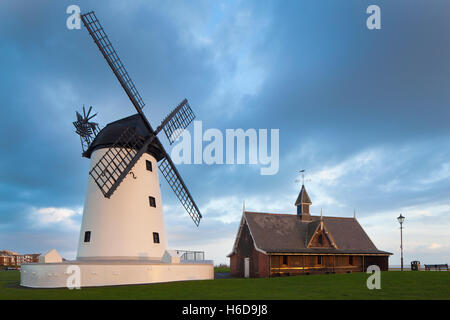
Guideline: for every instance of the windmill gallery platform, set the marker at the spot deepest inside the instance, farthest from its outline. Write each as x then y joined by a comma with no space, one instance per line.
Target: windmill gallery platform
122,236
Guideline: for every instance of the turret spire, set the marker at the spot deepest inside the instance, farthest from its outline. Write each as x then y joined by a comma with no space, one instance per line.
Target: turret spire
303,202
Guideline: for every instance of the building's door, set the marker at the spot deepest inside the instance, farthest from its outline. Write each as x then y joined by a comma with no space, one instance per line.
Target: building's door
246,267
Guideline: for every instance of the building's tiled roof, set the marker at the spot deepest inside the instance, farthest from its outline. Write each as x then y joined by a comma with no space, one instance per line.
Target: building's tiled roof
287,233
8,253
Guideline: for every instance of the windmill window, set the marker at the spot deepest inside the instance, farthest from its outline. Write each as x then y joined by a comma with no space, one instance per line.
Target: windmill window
148,164
350,260
152,202
319,259
285,260
87,236
155,237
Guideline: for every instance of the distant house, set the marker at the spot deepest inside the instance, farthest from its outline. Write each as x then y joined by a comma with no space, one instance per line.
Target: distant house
10,258
5,260
270,244
51,256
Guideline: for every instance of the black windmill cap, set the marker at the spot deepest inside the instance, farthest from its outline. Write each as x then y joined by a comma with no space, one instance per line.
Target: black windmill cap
109,135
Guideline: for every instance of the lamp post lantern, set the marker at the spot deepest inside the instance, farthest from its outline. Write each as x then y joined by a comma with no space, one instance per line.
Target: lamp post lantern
400,219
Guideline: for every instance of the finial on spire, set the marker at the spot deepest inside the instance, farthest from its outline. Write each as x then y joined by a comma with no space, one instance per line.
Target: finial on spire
243,206
321,219
354,213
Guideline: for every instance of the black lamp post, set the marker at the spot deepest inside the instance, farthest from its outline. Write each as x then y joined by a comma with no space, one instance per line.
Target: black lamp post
400,220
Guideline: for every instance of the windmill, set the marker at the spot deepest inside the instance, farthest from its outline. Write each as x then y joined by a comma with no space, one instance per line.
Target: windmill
118,154
122,235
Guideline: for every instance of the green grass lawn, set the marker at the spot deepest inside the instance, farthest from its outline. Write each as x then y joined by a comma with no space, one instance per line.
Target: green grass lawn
221,269
394,285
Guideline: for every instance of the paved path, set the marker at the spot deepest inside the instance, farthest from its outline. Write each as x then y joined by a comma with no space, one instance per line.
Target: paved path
222,275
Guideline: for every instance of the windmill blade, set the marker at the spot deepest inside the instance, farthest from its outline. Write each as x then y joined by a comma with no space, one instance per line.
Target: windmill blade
89,111
118,160
100,38
91,116
175,181
178,120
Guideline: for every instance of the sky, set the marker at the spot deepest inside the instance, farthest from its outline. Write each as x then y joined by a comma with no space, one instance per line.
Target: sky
365,112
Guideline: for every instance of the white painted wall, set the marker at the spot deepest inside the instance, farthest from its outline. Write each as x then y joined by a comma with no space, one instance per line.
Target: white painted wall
55,275
122,226
171,256
51,256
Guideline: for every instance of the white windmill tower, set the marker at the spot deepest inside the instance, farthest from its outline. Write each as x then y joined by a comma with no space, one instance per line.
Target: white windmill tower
123,223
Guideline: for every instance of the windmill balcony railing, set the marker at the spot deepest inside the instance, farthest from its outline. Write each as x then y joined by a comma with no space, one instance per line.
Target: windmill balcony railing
186,255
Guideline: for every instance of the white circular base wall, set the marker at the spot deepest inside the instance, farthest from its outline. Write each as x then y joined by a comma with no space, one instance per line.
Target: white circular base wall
101,273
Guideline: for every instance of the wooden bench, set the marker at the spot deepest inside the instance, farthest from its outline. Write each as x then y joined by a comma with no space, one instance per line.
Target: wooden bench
436,267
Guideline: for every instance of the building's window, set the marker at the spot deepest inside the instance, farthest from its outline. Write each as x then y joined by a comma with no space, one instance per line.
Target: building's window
285,260
350,260
152,202
87,236
148,165
155,237
319,259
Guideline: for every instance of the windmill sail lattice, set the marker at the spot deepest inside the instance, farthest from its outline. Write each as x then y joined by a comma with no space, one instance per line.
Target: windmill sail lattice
178,120
97,33
173,179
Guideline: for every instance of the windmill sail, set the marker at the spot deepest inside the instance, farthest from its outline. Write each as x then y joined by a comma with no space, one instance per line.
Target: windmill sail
97,33
178,120
175,181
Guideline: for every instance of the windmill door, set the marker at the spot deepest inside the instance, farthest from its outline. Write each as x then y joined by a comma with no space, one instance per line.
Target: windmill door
246,267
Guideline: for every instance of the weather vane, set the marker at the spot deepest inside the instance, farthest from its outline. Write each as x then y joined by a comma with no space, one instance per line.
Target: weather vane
303,176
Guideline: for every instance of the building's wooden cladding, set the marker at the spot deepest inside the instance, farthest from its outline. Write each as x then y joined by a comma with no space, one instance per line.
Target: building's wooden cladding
320,240
305,208
381,261
294,264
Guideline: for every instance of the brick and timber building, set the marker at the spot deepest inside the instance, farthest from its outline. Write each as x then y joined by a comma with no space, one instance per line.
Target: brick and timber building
270,244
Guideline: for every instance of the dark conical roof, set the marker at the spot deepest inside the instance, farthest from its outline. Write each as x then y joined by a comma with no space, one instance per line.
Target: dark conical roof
303,197
109,135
